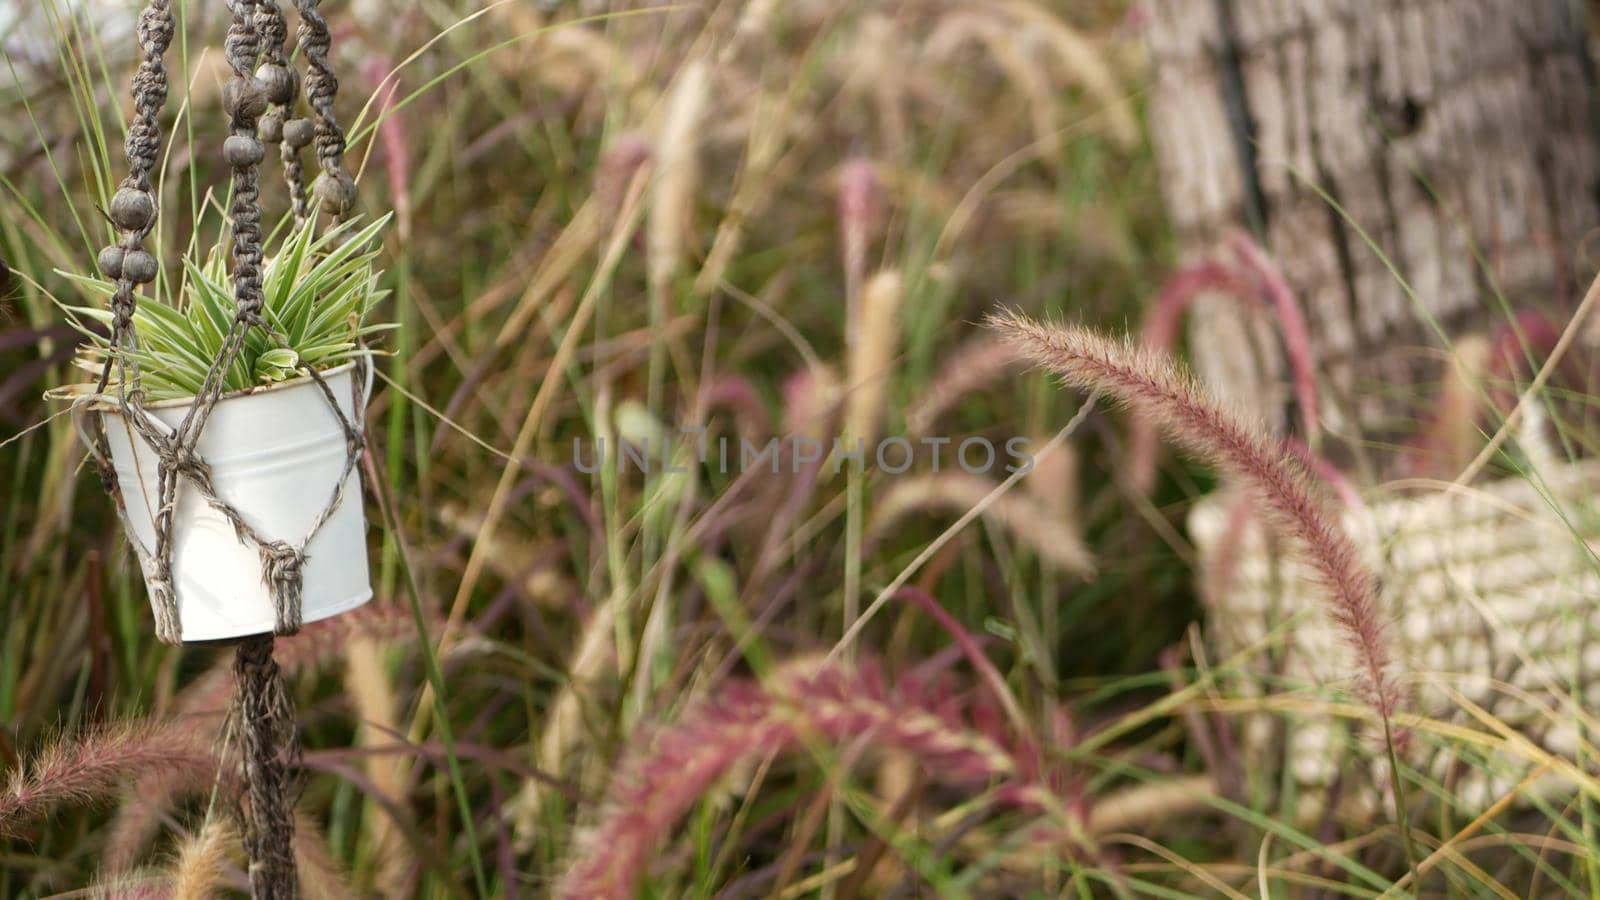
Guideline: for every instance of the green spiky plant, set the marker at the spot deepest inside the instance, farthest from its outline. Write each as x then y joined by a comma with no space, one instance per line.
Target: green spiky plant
319,288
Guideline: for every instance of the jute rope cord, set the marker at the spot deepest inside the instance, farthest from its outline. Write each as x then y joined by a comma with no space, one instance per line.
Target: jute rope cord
260,101
280,112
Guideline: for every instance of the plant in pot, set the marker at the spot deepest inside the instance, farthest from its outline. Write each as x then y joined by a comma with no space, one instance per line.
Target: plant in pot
273,467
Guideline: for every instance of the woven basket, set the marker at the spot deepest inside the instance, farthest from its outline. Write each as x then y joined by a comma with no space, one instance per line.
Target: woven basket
1490,583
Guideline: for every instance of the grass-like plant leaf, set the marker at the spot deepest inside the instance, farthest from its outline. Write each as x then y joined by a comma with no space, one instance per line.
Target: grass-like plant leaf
318,291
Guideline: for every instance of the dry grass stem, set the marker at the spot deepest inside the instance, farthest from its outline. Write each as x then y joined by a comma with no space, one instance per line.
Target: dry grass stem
872,356
677,151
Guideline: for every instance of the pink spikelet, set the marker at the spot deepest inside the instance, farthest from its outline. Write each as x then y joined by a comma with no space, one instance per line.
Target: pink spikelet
1296,338
1160,334
860,215
1150,382
654,790
1247,277
860,211
618,164
801,704
392,138
1318,465
96,764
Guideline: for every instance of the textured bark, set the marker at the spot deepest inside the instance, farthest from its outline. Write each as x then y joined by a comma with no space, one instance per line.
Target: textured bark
1444,129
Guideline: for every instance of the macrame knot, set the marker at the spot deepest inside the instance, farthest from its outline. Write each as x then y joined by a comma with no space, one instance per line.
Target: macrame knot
282,571
155,30
123,305
179,458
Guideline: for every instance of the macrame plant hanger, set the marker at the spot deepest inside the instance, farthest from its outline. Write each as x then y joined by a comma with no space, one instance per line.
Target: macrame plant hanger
261,101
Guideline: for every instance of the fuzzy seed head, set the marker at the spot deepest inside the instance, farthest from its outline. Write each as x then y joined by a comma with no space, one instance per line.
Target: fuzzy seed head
1151,384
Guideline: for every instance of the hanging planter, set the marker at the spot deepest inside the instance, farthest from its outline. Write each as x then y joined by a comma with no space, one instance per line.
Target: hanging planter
277,455
228,422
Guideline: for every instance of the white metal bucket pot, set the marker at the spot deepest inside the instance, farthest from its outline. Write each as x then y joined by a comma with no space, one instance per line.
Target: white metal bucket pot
275,454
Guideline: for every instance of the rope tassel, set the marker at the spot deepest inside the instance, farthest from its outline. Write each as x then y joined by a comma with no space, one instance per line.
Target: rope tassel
270,745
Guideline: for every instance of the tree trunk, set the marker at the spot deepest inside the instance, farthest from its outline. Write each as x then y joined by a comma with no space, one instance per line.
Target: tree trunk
1457,136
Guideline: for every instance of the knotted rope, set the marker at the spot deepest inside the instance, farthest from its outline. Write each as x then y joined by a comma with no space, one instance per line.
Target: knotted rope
271,750
260,103
281,79
334,188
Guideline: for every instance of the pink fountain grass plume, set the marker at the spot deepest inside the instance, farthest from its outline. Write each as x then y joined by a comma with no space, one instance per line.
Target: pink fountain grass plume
1318,465
93,766
736,393
860,216
1152,384
392,139
1160,333
620,161
1296,338
802,705
654,790
979,362
1250,274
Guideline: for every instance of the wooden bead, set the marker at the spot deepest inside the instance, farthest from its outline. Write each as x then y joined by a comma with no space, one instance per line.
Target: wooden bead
336,191
242,151
277,82
139,267
298,132
243,98
110,262
132,209
270,128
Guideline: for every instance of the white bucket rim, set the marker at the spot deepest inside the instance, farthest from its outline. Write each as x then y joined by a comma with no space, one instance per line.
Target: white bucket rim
106,406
